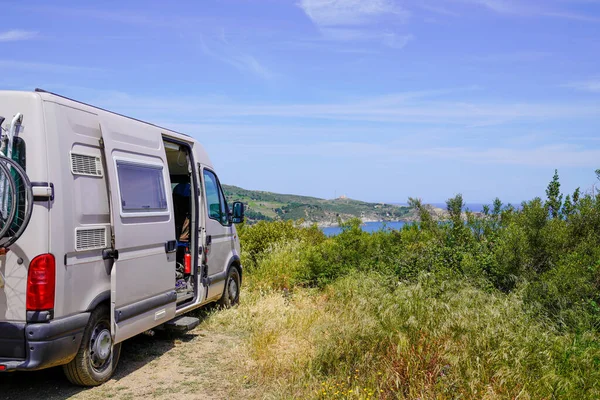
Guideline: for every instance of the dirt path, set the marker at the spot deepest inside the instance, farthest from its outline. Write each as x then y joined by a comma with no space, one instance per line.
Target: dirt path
195,365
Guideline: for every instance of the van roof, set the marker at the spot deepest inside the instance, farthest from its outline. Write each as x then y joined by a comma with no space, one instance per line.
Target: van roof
38,90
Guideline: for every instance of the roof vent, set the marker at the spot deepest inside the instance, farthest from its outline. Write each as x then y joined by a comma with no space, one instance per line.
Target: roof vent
82,164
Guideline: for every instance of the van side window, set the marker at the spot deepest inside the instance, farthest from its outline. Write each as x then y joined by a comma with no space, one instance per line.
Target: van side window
142,187
215,201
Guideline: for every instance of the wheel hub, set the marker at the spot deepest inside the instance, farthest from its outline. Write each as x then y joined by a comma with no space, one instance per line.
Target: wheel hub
101,347
232,289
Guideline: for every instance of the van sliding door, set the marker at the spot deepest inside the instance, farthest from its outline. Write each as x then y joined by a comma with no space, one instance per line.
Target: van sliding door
143,274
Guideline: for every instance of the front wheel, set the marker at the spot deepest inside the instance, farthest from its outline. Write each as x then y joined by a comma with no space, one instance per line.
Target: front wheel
97,357
231,292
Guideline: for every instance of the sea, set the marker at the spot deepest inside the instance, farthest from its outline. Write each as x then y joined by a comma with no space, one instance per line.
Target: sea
394,225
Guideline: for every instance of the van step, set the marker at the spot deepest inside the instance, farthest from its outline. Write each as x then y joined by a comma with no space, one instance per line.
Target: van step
182,324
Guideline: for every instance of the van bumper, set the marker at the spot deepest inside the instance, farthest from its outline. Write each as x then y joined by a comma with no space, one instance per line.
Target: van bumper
45,344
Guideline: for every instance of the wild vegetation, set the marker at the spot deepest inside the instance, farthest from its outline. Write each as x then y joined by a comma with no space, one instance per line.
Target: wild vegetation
503,305
268,206
491,306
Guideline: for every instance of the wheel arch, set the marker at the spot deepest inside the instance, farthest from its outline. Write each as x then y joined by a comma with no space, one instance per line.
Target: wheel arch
103,297
235,262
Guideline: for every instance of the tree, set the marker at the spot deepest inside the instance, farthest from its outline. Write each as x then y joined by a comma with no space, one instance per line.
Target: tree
576,195
554,202
455,206
568,207
497,206
424,215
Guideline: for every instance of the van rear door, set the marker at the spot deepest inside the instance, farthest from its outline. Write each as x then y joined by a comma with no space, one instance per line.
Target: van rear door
143,274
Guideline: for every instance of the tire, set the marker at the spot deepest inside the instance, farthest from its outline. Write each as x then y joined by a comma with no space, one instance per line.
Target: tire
97,358
231,291
17,224
8,192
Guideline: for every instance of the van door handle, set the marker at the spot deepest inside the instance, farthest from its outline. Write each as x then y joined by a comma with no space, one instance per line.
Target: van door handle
109,253
170,246
208,240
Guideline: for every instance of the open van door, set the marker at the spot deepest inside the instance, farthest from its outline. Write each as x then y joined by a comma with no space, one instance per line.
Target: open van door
143,231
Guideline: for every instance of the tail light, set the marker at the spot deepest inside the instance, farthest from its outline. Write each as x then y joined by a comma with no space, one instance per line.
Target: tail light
41,283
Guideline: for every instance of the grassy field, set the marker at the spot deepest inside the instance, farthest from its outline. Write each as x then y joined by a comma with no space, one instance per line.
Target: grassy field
366,337
362,337
500,305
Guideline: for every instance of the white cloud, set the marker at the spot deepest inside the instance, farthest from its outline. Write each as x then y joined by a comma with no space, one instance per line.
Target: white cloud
387,38
553,9
223,51
555,156
425,108
395,41
500,6
356,20
572,16
438,10
16,34
218,119
348,12
44,67
134,18
515,57
592,85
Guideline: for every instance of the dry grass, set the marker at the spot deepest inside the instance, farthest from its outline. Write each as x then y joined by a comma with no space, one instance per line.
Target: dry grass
365,337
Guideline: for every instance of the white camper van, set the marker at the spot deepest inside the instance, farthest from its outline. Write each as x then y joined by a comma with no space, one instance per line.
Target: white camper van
109,227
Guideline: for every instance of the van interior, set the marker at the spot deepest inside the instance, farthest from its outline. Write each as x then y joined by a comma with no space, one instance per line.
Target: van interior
180,172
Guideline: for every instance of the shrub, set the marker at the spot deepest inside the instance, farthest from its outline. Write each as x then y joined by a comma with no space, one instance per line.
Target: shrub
260,237
500,305
549,247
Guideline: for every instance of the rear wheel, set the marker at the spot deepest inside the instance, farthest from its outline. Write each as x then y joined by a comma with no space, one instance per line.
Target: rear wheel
97,357
231,293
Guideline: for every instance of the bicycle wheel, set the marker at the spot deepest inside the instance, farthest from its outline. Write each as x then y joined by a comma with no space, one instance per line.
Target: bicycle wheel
8,198
23,202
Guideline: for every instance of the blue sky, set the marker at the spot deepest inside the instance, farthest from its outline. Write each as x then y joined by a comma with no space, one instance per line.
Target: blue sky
375,99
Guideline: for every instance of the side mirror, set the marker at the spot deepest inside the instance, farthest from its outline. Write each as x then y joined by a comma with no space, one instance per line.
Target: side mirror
238,212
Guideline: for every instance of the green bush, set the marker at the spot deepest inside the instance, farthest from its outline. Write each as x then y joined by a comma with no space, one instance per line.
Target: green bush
260,237
549,247
502,304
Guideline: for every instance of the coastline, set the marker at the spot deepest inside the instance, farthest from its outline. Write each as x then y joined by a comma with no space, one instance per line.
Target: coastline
437,214
363,220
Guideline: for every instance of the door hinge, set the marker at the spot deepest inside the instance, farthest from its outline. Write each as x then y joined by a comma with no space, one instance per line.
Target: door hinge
205,280
42,191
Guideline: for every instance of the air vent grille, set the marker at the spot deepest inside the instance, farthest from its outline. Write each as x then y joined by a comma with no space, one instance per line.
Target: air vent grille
90,238
82,164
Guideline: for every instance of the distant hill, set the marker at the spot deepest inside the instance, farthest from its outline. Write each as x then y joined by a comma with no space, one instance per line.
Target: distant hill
272,206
